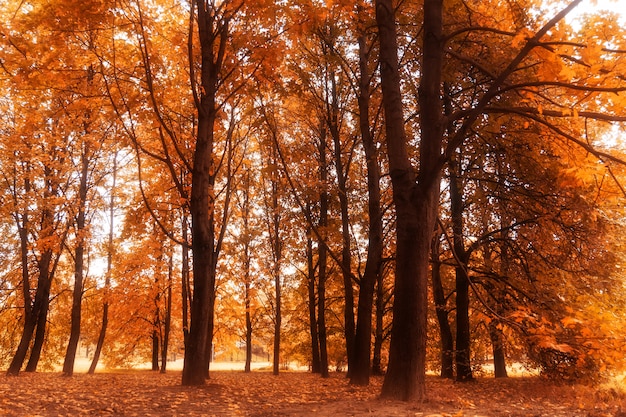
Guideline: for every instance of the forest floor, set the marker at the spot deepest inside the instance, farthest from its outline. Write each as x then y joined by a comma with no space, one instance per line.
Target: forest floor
260,394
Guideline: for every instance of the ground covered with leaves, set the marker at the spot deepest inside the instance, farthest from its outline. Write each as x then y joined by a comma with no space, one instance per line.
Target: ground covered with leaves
260,394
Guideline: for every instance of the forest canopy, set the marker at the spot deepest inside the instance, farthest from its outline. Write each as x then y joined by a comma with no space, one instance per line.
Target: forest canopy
373,186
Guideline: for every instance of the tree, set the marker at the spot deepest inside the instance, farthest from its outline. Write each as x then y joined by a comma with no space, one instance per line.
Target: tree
416,189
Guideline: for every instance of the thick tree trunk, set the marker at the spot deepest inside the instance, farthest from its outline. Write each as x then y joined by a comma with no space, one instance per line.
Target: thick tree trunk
213,36
441,310
497,343
416,199
22,348
363,337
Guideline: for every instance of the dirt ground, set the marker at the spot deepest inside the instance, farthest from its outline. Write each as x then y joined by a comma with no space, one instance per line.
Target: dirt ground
260,394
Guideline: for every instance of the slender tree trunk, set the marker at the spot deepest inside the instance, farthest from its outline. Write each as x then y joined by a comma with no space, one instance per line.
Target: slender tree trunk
416,199
463,336
277,323
248,365
107,279
186,293
346,254
167,325
315,346
379,332
247,279
40,331
363,337
441,310
77,294
277,251
30,316
322,258
42,301
463,333
155,350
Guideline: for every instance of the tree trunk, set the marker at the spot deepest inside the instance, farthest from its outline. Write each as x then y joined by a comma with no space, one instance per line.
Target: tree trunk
277,250
107,279
247,367
155,350
30,316
42,304
363,337
497,343
247,279
346,254
22,348
213,36
40,331
322,259
167,325
441,310
186,293
277,324
379,333
416,202
315,346
77,294
463,336
461,255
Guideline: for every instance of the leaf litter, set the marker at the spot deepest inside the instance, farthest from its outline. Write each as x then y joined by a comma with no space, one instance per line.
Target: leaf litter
261,394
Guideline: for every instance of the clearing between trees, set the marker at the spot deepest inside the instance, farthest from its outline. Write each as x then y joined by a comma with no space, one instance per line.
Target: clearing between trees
260,394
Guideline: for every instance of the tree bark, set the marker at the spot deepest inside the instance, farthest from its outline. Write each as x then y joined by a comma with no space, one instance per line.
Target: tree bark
441,311
79,253
346,254
497,343
155,350
315,346
379,332
167,325
248,364
107,279
322,258
461,255
363,337
29,314
416,198
213,36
